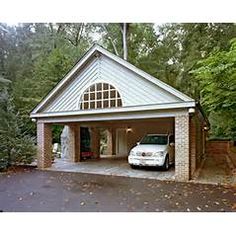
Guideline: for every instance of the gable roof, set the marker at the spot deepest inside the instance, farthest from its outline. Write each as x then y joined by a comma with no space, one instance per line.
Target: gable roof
87,56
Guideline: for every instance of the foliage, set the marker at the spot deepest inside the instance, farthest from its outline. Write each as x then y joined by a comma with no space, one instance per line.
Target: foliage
16,146
217,78
56,131
170,51
35,56
141,40
52,50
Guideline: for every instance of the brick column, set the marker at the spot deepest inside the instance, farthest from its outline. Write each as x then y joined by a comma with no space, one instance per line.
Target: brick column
193,145
95,142
74,142
44,145
182,165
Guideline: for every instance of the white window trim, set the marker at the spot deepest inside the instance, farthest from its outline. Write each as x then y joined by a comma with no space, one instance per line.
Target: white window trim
110,88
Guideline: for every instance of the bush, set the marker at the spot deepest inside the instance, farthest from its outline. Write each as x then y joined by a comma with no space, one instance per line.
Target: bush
18,151
16,147
3,162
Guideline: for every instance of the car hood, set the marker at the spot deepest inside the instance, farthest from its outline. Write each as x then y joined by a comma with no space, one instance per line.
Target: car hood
149,148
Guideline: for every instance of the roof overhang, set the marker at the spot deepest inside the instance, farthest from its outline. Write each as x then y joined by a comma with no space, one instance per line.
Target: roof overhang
114,111
120,116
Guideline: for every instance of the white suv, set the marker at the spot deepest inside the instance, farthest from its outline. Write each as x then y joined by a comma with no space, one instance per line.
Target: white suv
153,150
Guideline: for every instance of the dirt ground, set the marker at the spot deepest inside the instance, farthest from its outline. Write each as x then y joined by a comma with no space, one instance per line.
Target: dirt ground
216,170
32,190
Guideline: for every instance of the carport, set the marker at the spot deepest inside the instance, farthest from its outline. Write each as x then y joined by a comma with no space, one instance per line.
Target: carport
104,91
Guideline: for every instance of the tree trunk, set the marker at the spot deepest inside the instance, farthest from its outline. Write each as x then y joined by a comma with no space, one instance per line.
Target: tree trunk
111,40
125,48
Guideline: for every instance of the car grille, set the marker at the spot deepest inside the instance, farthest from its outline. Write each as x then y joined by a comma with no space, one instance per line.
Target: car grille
144,154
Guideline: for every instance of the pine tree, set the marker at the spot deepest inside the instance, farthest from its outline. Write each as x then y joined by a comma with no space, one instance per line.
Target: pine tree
15,146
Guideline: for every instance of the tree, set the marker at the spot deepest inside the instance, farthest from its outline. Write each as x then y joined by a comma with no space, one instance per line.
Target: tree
54,49
36,56
217,79
16,146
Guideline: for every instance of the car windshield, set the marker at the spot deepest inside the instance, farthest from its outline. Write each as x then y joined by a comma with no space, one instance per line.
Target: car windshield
155,139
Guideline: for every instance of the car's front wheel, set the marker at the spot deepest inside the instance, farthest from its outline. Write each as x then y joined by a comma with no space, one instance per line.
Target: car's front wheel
166,164
133,166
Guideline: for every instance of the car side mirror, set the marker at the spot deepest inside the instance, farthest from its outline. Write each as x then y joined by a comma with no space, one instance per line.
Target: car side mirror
172,144
138,143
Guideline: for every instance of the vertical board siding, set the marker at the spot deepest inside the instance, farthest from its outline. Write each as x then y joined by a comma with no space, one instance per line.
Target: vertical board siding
61,102
134,89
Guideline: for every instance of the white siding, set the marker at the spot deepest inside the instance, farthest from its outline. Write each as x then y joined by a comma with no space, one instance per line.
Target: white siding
134,89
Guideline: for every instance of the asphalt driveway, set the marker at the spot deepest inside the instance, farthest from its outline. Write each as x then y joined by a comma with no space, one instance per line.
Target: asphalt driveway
34,190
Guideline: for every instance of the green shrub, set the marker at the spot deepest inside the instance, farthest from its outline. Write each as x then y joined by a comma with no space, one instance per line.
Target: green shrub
16,147
3,162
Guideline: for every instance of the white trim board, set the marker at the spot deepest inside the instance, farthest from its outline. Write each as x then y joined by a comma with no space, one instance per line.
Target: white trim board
114,111
118,117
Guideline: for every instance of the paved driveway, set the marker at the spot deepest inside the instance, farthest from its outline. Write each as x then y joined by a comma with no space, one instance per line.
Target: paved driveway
34,190
112,166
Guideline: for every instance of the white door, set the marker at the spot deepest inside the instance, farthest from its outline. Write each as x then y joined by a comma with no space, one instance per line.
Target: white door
121,143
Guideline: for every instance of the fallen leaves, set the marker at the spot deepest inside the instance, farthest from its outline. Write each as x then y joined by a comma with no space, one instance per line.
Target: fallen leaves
147,197
234,206
199,208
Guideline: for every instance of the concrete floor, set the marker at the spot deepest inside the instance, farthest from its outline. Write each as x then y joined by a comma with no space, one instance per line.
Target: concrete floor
214,171
115,166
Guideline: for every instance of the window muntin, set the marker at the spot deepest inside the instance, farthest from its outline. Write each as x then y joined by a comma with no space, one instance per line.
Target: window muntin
100,95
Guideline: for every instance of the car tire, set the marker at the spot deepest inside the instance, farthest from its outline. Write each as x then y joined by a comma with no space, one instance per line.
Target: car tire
166,165
134,166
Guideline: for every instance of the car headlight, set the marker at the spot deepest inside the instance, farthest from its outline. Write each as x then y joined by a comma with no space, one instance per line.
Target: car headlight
162,154
158,154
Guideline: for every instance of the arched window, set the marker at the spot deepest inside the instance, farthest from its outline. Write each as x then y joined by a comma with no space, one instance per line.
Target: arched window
100,95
